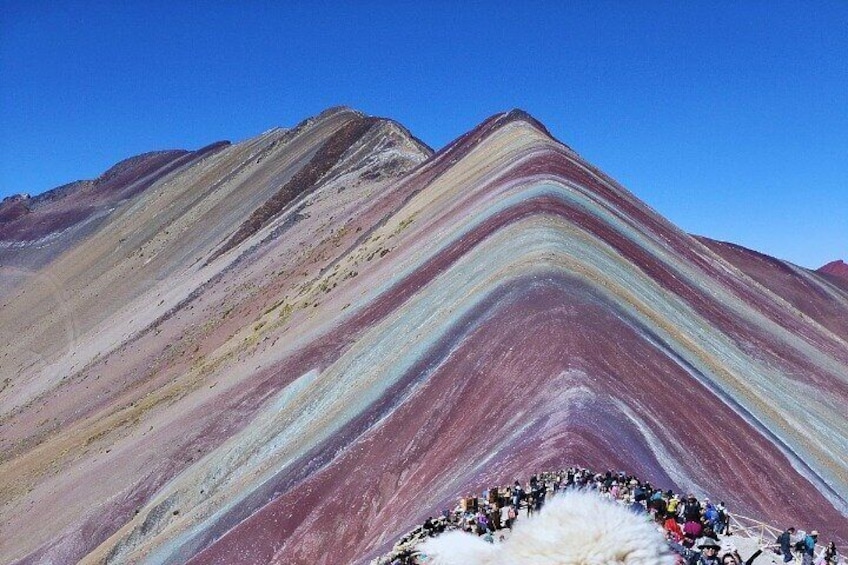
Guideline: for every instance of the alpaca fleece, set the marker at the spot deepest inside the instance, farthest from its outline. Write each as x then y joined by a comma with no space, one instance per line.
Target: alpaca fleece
575,528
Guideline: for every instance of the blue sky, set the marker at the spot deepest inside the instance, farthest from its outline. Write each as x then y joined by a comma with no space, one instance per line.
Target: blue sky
729,118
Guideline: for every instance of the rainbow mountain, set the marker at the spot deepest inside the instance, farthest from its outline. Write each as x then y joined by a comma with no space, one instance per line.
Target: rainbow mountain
294,348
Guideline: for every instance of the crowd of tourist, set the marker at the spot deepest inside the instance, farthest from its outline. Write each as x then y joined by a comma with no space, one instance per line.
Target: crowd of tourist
693,528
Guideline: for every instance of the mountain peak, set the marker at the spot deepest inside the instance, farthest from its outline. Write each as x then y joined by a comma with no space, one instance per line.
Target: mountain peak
504,119
838,268
519,115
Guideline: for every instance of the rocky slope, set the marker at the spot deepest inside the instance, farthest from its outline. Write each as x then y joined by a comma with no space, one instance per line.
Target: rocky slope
34,231
292,349
836,268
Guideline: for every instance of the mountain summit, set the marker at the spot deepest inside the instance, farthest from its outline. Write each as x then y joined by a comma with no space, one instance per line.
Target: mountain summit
293,348
836,268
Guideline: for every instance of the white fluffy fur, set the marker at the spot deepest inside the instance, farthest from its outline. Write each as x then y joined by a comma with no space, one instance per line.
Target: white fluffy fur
458,547
575,528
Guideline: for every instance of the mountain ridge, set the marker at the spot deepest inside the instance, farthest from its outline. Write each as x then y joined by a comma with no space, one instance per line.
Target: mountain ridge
342,355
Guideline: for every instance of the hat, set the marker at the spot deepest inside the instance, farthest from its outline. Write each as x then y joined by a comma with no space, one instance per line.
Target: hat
706,542
814,533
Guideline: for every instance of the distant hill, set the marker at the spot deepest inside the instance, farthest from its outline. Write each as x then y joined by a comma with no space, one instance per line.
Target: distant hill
837,268
293,348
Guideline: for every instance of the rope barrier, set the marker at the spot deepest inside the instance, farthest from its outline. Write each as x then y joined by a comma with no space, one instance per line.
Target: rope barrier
766,534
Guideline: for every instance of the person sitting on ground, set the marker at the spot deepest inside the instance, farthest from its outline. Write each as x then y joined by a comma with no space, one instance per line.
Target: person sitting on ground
829,556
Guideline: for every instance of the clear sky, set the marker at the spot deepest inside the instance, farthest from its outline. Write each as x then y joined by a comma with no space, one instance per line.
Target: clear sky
729,118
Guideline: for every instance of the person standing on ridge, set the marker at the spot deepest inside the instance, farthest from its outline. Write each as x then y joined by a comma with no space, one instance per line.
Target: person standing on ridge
809,548
506,519
517,494
692,517
784,540
723,520
673,501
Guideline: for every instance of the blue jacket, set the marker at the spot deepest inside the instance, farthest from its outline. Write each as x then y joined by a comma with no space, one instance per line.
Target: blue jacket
809,545
784,541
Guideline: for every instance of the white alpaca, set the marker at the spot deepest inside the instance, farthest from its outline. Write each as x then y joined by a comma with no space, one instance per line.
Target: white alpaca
575,528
